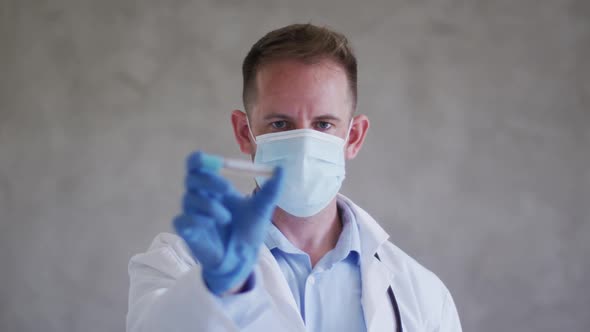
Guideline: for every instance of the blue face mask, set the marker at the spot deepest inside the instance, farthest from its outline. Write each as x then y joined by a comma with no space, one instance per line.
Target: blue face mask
313,163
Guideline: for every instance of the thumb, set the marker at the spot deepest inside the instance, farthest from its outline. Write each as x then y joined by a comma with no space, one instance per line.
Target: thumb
258,210
263,200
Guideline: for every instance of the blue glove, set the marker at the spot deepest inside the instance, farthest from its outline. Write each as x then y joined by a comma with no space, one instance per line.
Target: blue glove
222,228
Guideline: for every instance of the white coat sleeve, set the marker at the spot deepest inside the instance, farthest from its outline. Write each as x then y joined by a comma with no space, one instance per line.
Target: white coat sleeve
450,317
167,293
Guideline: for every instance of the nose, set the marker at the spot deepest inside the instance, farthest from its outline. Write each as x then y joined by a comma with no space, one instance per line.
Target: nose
302,124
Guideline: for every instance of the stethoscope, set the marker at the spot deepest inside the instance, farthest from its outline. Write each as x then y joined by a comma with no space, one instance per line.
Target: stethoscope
392,299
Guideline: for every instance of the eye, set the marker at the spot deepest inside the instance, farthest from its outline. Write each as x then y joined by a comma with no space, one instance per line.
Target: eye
323,125
279,124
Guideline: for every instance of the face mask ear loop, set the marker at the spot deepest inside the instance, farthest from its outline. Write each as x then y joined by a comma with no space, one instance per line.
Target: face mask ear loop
250,130
348,133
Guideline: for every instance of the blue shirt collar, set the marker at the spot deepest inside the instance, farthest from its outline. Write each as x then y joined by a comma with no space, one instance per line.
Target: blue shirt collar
348,245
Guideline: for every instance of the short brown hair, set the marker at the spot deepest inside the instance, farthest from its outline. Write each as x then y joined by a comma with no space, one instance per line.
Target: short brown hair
304,42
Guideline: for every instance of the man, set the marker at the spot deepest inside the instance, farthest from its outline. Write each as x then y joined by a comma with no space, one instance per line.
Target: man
316,262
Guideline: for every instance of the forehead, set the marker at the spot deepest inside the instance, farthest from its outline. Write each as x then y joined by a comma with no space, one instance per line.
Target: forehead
295,85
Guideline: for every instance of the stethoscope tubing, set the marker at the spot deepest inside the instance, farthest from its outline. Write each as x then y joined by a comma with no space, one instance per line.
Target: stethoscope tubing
393,300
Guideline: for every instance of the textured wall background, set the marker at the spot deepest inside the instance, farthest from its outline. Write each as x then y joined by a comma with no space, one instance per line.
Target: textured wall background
477,163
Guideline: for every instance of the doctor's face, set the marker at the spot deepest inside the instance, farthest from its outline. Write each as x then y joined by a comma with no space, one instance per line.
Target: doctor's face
291,95
294,95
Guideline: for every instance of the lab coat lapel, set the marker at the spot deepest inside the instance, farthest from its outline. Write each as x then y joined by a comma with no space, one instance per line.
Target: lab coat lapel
376,279
376,276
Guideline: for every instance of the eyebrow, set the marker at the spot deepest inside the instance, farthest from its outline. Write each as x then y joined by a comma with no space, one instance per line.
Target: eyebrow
273,116
328,117
277,116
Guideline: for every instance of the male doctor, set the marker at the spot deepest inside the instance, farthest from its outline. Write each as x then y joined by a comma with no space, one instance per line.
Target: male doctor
295,255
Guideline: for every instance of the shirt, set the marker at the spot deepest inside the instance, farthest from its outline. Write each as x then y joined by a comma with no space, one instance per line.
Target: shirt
329,294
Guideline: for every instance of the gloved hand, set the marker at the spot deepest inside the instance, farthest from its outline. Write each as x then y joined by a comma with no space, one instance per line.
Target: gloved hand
222,228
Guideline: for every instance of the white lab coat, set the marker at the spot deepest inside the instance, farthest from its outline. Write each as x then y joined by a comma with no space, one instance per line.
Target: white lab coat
167,292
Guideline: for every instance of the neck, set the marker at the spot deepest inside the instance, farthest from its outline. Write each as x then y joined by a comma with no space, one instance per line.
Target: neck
315,235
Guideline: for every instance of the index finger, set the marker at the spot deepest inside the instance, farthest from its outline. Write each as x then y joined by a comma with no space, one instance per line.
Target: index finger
202,162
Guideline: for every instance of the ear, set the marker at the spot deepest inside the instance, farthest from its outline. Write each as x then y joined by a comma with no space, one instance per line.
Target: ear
356,138
239,122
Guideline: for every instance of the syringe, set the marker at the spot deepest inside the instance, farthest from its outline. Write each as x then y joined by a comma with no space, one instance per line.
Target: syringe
216,163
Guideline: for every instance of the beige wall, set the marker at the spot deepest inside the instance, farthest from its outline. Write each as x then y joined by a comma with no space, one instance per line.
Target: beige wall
477,162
